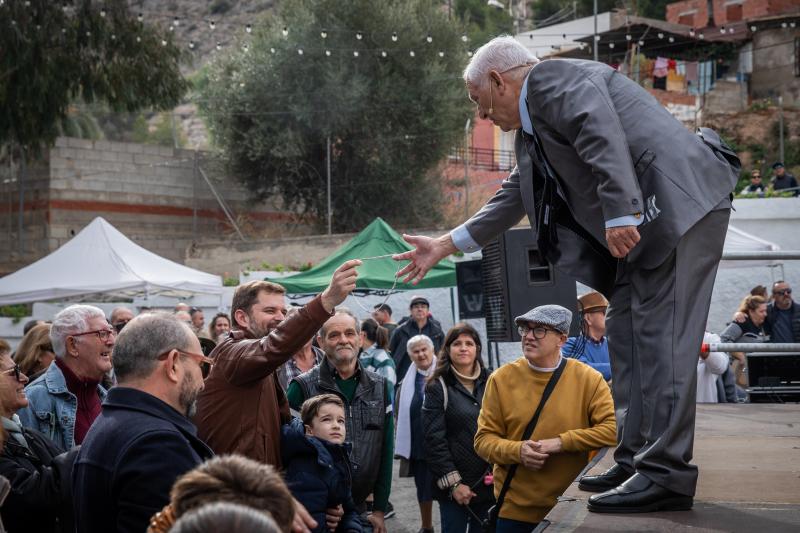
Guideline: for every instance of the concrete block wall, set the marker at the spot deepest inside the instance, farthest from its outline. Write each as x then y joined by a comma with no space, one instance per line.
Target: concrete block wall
151,193
773,69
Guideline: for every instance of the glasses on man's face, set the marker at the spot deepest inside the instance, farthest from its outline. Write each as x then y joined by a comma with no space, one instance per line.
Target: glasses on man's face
119,325
539,332
491,95
16,371
782,292
197,357
102,334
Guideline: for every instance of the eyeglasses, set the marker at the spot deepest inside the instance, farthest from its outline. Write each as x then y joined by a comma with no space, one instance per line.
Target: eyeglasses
782,292
102,334
16,371
491,94
539,332
199,358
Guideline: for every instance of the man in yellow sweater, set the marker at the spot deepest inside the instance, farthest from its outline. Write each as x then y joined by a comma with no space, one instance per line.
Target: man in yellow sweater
577,418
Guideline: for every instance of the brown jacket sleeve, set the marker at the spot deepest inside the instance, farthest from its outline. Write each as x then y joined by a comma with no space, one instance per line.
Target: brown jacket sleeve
249,360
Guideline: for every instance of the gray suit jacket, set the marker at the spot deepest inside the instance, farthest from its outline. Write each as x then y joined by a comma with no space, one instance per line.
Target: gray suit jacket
615,152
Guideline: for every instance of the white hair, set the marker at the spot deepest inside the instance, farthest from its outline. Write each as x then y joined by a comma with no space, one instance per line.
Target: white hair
500,54
419,339
74,319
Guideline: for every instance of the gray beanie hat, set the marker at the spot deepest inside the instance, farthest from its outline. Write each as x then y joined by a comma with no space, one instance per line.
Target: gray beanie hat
555,316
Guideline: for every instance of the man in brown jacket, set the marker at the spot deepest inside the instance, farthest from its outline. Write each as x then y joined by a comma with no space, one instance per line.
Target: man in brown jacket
242,406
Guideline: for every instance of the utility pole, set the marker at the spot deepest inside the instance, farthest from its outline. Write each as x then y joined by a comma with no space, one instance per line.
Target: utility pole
780,128
594,44
23,169
328,163
466,169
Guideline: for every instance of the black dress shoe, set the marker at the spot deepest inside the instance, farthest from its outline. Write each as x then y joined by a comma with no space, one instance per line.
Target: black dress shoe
610,479
639,495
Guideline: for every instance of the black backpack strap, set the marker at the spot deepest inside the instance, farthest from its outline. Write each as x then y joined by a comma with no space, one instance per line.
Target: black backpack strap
551,384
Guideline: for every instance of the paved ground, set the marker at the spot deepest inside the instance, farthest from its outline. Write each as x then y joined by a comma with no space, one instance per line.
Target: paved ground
404,499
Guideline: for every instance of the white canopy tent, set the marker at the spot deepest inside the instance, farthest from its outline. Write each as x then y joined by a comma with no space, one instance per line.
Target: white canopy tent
737,240
101,260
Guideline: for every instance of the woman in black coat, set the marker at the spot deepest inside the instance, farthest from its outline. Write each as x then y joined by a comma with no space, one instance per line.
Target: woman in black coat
453,397
39,473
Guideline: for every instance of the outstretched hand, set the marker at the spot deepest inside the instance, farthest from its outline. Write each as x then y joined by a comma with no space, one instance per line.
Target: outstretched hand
342,283
426,253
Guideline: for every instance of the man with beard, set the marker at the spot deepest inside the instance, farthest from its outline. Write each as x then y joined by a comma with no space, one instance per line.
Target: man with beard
368,412
243,406
143,440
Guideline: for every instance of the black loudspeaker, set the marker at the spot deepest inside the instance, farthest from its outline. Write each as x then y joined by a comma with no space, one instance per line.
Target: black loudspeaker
516,278
470,289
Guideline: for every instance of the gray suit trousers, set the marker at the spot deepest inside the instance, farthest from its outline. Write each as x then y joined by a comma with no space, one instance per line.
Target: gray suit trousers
655,325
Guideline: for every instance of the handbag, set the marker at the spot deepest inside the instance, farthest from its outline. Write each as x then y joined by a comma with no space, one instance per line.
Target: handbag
490,523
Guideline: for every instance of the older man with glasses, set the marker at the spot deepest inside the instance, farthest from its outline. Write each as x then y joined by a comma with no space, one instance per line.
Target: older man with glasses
65,400
144,439
578,417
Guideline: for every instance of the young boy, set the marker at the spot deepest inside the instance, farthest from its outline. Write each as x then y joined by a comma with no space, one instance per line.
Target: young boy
317,464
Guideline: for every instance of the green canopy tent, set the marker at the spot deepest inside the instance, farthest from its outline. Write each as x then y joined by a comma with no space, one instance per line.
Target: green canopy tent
375,275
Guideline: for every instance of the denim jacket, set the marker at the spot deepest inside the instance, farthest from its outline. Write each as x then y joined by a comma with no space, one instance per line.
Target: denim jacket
52,408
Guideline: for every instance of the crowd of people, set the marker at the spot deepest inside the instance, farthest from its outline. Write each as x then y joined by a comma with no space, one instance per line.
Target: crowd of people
290,419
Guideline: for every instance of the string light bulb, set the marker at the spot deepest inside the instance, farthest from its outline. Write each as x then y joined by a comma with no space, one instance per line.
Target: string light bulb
299,51
140,17
113,37
176,22
641,42
246,47
671,39
248,28
691,32
628,37
783,25
660,35
191,45
441,54
219,45
429,39
411,53
792,24
328,53
701,36
722,29
271,50
355,53
610,45
753,28
731,30
383,53
597,38
138,39
103,12
464,38
469,53
212,25
359,35
285,31
323,34
163,42
394,36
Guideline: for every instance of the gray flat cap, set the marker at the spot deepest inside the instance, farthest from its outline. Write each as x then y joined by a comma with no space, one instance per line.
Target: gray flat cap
555,316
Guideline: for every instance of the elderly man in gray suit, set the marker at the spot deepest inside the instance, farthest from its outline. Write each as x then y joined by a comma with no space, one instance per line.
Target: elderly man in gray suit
625,199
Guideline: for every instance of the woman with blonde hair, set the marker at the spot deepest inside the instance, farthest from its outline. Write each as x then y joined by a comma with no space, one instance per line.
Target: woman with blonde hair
35,352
